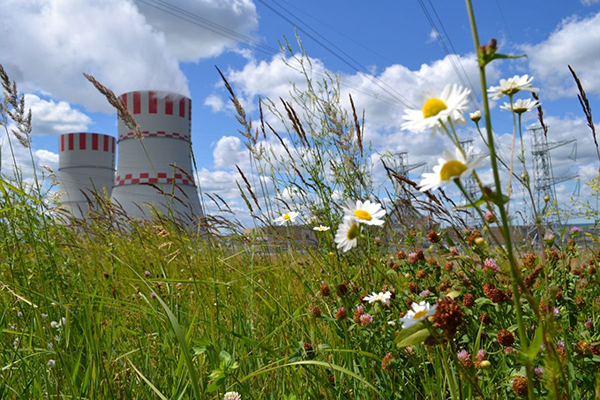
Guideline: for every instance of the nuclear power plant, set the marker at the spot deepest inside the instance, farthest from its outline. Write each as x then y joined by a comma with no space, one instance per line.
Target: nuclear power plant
86,165
152,175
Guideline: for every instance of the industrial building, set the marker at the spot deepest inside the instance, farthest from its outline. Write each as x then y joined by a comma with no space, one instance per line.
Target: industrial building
152,175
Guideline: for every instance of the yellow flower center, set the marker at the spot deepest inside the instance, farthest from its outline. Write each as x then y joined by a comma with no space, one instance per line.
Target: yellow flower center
353,232
420,314
286,216
362,214
433,107
452,169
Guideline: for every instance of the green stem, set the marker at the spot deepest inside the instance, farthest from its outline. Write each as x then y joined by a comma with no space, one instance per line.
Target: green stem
503,215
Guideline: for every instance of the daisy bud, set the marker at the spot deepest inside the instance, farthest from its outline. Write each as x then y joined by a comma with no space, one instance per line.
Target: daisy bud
485,364
479,241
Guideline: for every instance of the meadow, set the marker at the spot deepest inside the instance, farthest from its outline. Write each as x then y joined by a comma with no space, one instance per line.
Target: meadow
117,308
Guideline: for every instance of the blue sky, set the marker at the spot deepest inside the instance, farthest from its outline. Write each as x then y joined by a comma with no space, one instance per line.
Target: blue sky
131,45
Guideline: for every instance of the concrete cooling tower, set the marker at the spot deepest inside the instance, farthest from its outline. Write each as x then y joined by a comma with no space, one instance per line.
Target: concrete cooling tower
145,166
86,165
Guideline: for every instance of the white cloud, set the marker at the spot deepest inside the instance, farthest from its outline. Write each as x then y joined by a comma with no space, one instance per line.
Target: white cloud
205,28
50,117
576,41
589,2
50,44
383,96
229,152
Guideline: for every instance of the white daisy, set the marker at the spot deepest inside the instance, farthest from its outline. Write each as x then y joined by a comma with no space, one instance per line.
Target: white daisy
366,212
451,167
475,116
232,396
347,233
511,86
417,314
450,105
321,228
382,297
520,106
287,217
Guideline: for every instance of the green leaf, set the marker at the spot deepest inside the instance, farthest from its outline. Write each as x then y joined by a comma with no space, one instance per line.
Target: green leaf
416,334
527,355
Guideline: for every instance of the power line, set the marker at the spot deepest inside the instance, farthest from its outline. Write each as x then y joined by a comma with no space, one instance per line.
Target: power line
236,36
445,48
398,96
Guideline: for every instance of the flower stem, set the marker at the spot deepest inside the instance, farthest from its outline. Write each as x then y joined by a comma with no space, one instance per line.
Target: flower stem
503,215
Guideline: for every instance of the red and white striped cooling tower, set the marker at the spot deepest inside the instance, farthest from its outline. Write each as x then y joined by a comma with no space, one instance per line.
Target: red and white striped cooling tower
144,166
86,165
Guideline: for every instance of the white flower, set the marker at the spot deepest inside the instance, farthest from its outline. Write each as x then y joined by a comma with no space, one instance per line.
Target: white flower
451,167
520,106
450,105
321,228
346,235
287,217
511,86
366,212
417,314
475,116
232,396
382,297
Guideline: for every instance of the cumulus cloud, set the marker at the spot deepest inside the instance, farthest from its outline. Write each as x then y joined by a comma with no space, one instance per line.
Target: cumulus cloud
383,96
229,151
124,46
576,41
203,28
51,117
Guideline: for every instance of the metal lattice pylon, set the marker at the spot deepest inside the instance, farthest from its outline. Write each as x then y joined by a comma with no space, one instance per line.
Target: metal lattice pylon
470,185
543,176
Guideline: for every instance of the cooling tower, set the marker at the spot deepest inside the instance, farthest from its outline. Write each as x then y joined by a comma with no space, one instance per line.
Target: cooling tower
86,165
145,168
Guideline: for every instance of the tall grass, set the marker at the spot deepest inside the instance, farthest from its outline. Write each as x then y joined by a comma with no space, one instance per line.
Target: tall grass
114,308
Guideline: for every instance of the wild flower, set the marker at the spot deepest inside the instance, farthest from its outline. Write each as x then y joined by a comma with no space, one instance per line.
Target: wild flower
511,86
412,258
448,316
519,386
589,325
381,297
321,228
449,168
490,263
505,338
147,273
341,314
538,372
520,106
575,230
475,116
366,212
51,363
449,106
232,396
453,251
287,217
366,319
489,217
464,358
347,234
417,313
425,293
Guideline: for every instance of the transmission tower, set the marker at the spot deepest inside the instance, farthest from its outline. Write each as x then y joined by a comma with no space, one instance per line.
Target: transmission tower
543,176
403,214
470,185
